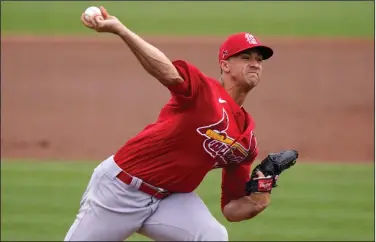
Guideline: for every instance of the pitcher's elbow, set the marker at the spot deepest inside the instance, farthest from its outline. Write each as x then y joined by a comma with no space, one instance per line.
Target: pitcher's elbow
233,216
170,79
231,219
246,214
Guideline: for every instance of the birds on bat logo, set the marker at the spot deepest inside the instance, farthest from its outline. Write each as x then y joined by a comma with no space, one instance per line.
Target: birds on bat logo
222,147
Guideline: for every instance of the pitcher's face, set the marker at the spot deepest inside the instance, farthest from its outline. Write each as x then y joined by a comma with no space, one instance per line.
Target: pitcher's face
244,68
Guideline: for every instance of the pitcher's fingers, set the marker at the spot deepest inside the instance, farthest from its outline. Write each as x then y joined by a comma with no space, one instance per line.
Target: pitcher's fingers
104,12
259,174
98,19
85,22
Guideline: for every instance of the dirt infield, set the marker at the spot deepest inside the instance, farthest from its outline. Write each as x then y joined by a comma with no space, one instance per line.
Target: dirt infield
83,98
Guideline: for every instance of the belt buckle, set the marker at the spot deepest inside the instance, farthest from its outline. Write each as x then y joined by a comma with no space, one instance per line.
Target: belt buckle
165,193
158,190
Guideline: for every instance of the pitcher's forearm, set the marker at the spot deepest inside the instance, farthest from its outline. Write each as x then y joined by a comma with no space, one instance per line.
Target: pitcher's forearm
246,207
152,59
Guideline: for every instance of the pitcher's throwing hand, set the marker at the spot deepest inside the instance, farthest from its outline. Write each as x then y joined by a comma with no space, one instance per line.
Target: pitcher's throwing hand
103,22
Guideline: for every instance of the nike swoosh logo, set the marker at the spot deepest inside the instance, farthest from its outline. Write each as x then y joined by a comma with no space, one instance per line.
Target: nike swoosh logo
220,100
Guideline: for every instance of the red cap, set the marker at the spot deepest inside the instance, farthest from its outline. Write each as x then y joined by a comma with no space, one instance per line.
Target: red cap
239,42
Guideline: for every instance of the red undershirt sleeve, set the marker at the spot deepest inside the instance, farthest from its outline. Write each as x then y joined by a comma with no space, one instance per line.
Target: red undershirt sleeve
234,178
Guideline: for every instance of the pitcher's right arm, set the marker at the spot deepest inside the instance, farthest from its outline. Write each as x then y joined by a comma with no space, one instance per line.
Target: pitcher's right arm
152,59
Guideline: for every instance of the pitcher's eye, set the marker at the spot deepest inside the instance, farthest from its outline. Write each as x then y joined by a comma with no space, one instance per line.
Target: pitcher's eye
246,57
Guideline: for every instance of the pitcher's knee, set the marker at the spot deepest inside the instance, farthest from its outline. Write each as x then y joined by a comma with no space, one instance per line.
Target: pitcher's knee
214,233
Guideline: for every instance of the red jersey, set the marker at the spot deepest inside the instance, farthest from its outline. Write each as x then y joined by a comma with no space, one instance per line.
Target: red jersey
201,128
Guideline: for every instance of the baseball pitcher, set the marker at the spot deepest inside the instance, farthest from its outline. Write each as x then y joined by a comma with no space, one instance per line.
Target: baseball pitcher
147,186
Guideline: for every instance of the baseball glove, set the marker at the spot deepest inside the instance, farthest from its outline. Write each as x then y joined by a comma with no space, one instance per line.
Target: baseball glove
272,166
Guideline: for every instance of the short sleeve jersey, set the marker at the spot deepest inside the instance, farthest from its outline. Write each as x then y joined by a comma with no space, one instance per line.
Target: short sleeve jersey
200,128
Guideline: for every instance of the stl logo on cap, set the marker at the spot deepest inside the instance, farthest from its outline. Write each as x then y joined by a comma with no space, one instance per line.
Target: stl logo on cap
239,42
250,39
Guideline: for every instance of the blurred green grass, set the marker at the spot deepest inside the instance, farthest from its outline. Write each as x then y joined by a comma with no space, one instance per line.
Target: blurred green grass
337,18
313,202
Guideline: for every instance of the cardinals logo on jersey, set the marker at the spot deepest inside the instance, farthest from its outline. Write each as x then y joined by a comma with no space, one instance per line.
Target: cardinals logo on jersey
219,145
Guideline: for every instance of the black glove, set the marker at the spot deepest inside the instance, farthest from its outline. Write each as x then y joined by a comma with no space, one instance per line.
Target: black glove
272,166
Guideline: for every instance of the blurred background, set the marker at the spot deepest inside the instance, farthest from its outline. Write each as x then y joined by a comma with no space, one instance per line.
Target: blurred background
70,97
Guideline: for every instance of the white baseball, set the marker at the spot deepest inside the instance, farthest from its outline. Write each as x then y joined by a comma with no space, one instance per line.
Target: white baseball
92,11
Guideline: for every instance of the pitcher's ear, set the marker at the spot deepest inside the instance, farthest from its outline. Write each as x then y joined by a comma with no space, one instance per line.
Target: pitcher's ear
224,66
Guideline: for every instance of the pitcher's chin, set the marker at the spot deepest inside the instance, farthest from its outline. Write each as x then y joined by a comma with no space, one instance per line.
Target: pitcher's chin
251,82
